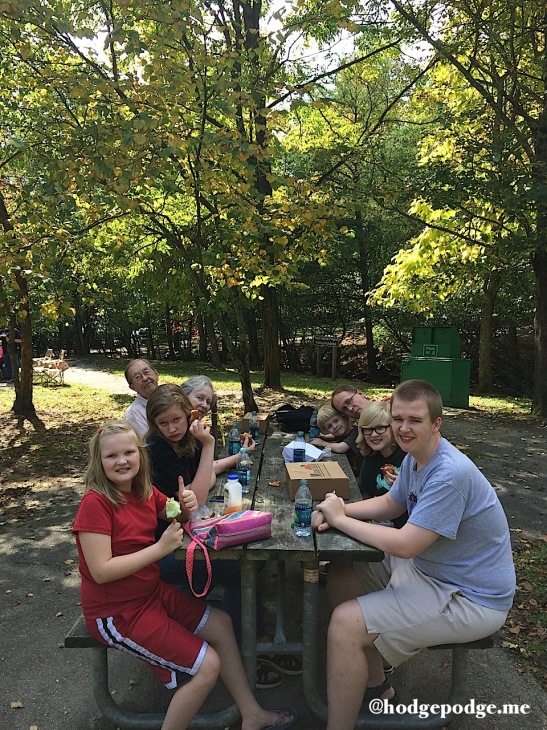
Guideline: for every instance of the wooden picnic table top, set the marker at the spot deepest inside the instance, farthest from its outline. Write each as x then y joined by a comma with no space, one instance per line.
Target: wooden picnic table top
269,468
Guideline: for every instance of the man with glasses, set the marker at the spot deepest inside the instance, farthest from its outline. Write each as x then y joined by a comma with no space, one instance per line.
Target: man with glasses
349,400
142,377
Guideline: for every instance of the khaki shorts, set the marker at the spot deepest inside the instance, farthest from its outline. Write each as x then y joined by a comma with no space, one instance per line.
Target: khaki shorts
411,611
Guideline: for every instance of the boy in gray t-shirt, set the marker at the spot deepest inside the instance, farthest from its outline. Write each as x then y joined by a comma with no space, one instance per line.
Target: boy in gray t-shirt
448,574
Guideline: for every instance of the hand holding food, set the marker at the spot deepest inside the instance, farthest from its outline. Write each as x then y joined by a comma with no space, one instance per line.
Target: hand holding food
194,415
247,441
171,538
201,432
389,473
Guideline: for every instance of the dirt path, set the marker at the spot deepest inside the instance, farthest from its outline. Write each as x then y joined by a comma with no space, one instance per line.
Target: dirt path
85,372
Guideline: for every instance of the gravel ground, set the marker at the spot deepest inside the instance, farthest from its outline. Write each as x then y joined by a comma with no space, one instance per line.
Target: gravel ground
40,602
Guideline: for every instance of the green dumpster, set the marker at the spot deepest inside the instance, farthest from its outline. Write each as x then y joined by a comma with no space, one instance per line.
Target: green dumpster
435,357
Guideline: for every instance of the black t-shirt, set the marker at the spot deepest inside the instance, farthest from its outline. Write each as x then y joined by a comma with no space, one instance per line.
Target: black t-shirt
167,466
371,482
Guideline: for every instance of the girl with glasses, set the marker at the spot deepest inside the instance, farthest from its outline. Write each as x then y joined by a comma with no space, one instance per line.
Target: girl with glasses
380,451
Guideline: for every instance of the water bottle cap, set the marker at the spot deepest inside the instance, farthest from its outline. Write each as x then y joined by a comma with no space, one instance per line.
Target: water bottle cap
303,482
243,450
233,477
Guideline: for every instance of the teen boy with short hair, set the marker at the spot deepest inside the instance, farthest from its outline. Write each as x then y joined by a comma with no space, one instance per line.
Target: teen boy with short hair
448,574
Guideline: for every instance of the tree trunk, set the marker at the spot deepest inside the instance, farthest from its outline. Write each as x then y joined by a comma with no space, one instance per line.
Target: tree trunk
169,333
365,286
539,402
254,349
202,344
239,354
213,340
491,289
270,339
23,405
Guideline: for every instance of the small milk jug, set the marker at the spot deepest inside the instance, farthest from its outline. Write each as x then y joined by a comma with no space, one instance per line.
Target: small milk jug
232,495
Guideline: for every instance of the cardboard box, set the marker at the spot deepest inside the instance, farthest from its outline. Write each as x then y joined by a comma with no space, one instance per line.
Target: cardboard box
263,420
322,476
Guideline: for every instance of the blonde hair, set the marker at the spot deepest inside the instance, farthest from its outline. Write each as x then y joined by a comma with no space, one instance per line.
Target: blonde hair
375,414
163,397
95,477
325,413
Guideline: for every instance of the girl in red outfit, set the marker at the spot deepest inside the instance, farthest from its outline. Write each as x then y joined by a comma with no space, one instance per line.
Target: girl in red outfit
125,604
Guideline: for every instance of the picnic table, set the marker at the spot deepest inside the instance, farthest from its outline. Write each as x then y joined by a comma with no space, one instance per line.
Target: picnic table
283,547
49,370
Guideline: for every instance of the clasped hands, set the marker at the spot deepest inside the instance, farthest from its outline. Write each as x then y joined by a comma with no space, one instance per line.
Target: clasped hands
328,512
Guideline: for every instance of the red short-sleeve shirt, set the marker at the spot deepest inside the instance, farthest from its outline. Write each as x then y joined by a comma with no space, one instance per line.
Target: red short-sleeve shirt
131,527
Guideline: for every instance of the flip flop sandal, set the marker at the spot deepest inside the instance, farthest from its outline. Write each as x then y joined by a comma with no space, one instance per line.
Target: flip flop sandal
284,713
288,664
266,676
375,693
389,670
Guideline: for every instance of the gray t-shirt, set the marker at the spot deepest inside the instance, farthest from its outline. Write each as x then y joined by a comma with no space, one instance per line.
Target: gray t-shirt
451,497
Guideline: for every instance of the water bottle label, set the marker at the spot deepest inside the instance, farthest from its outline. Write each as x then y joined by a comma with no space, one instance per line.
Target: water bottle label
244,477
302,515
299,454
233,448
253,430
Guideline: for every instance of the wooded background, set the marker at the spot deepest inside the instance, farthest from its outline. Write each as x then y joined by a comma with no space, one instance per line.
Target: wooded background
224,180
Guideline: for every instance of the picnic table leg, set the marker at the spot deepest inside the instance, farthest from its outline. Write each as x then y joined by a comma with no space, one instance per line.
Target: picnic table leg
109,708
248,617
280,639
310,638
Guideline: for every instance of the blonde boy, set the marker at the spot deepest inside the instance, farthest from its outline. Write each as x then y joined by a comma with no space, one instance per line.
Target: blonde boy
338,434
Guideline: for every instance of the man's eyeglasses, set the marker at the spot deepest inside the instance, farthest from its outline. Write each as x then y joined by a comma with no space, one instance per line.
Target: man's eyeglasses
139,376
346,404
378,429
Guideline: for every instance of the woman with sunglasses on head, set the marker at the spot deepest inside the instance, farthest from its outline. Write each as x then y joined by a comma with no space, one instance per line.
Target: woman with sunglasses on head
382,455
200,392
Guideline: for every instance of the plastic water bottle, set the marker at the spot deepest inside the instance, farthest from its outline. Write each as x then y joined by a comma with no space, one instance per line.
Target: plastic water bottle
302,510
253,425
314,428
232,495
326,454
244,470
234,443
299,448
